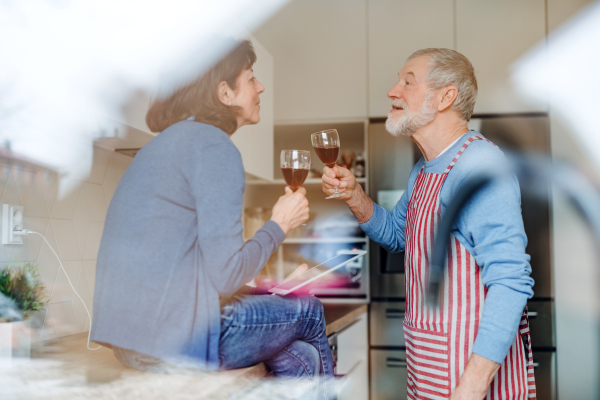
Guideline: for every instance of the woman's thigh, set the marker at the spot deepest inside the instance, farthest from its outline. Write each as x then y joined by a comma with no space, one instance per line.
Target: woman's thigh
256,328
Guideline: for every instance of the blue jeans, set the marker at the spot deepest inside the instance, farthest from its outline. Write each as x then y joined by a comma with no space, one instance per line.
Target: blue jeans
285,332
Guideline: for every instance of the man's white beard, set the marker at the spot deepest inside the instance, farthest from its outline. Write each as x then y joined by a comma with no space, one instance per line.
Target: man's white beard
410,121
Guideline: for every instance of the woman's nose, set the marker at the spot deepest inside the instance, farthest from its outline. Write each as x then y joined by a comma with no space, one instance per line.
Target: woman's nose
259,87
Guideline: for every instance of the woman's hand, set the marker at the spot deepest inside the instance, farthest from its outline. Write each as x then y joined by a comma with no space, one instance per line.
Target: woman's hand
302,268
340,177
291,210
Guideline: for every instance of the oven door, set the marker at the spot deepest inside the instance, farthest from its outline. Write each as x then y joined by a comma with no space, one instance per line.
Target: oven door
387,273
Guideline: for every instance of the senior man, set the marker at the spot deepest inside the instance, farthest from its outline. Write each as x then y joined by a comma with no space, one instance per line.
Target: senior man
476,344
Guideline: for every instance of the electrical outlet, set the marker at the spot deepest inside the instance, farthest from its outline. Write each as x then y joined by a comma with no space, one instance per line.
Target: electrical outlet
12,220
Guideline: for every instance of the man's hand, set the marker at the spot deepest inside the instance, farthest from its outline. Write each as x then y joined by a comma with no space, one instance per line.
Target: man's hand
360,204
475,381
340,177
291,210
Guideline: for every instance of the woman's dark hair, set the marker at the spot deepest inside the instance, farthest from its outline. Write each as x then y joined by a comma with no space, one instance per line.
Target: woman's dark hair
199,98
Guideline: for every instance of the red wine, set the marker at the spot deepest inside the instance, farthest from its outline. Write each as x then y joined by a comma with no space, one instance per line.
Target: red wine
294,177
328,154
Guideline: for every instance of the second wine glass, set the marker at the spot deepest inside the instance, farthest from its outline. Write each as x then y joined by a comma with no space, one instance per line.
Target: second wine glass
327,146
295,165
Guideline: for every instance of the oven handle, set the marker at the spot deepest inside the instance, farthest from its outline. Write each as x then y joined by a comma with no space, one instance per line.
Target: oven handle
392,362
394,313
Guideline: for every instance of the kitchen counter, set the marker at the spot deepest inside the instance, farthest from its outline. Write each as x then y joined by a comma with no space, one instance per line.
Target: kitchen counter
64,369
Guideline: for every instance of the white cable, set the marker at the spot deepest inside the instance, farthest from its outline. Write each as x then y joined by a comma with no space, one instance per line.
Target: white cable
27,232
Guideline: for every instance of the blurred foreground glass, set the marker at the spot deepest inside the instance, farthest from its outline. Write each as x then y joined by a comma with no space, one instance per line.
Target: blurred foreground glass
327,146
295,165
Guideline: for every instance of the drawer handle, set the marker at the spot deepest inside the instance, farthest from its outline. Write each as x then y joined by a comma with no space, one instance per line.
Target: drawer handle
532,314
395,363
536,365
392,313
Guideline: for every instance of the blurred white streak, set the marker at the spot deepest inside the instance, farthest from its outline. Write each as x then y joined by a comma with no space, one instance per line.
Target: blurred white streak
564,73
66,65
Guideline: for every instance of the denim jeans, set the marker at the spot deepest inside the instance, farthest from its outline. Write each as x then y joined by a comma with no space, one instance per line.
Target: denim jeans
285,332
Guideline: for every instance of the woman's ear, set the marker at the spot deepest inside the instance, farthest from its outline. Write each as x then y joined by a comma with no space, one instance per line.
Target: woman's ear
224,93
448,95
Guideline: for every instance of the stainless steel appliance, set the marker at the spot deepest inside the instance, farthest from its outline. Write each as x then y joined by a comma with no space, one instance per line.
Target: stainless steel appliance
390,162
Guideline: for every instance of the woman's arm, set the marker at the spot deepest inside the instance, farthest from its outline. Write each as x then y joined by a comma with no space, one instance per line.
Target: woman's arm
218,187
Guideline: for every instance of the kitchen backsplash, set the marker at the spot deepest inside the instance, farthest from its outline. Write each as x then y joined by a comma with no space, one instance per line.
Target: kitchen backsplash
73,225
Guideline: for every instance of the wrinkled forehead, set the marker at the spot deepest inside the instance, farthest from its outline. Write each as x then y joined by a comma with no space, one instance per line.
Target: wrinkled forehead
416,68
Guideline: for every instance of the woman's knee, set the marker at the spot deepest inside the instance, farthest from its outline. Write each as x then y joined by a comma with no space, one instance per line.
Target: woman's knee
299,359
314,307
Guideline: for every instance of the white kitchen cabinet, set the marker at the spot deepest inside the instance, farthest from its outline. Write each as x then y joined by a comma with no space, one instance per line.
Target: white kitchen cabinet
353,355
493,35
560,11
398,28
255,142
320,56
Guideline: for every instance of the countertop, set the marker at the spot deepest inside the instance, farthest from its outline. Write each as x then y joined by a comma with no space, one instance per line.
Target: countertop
64,369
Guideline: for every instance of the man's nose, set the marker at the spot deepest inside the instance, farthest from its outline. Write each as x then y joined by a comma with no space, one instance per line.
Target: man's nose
395,92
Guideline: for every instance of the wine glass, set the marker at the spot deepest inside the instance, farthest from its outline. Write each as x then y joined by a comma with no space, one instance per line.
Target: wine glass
327,146
295,165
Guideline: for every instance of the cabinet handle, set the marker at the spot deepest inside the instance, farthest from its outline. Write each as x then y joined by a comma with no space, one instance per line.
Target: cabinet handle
395,362
392,313
532,314
536,365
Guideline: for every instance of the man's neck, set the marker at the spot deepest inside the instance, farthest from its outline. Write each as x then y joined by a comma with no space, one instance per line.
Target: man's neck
434,137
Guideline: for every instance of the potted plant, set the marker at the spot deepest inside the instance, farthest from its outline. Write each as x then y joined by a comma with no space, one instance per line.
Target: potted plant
21,293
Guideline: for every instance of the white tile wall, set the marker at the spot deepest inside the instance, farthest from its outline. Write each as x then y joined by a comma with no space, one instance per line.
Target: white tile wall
73,225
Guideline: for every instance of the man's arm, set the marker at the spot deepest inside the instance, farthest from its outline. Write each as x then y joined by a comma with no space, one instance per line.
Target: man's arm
381,225
491,222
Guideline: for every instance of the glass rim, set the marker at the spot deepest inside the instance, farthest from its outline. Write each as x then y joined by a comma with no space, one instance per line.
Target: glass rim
324,131
299,151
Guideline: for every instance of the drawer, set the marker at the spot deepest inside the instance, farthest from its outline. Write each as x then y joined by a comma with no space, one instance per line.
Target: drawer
388,375
541,324
544,364
386,324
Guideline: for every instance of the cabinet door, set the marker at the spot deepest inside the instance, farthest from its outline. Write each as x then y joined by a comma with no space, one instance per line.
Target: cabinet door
493,35
398,28
319,53
560,11
255,142
353,354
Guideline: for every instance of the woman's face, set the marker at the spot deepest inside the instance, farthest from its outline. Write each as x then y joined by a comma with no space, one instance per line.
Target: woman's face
246,97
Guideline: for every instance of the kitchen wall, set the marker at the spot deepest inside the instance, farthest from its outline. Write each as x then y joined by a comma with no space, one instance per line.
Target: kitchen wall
72,224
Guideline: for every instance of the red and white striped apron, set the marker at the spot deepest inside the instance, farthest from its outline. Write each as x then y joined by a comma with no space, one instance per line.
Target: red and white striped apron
439,341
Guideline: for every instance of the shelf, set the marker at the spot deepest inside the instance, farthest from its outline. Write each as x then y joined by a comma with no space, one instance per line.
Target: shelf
310,181
325,240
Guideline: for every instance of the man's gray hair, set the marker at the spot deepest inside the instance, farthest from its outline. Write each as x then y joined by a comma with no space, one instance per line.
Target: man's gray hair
448,67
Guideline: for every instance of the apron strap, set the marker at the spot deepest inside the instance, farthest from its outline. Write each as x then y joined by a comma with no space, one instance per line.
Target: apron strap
462,149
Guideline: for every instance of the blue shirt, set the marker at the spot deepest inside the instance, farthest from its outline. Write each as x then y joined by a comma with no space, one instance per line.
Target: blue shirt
173,244
489,226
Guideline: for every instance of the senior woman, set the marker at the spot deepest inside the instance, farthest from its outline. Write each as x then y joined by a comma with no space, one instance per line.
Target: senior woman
172,254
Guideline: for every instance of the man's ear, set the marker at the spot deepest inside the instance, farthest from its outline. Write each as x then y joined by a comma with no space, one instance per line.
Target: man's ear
447,97
224,93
